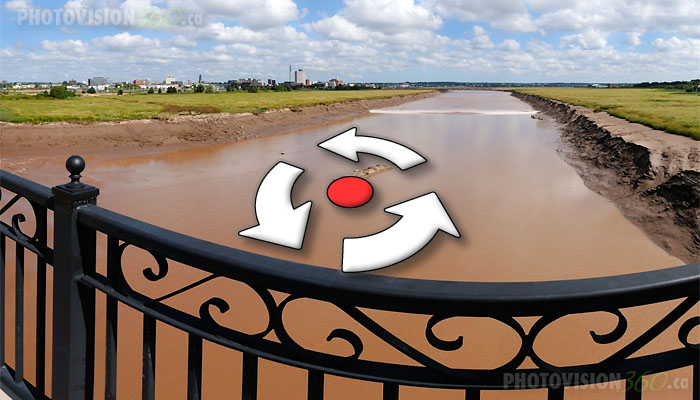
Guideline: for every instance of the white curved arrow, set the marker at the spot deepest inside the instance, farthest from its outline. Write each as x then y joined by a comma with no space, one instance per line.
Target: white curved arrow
422,218
278,221
347,144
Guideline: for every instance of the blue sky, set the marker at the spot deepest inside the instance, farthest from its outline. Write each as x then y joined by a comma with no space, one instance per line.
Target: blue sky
355,40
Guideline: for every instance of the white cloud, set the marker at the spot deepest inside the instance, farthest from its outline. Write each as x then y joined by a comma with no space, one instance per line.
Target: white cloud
136,4
76,4
576,16
624,16
679,48
589,40
481,38
66,46
509,45
502,14
18,5
181,41
256,14
667,44
390,16
9,53
125,41
219,32
337,27
632,38
397,30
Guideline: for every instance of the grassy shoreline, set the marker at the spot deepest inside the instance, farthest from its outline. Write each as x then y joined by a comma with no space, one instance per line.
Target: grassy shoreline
672,111
102,108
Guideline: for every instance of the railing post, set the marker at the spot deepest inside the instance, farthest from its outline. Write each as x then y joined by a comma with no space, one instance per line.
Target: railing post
73,303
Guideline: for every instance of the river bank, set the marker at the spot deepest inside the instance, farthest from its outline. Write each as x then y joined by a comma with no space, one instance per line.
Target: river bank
177,131
651,175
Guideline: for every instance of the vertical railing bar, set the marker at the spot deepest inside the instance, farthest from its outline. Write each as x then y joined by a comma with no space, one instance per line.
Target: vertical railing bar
633,391
2,300
472,394
112,318
148,387
88,255
40,356
696,379
19,313
315,385
390,391
249,387
194,367
555,393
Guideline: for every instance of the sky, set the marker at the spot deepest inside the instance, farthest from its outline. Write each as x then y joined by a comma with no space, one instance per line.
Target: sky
354,40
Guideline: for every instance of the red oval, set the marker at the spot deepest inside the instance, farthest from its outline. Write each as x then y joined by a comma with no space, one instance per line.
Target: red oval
350,192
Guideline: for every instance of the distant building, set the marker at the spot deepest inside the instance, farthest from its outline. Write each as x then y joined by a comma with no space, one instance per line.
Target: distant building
72,82
169,79
404,85
307,82
200,78
335,82
250,82
271,82
141,82
98,81
299,77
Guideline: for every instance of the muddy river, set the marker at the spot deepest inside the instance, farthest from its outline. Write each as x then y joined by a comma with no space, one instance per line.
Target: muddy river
524,215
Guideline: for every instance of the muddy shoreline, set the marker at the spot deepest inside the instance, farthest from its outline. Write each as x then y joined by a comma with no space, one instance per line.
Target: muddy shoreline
177,131
652,176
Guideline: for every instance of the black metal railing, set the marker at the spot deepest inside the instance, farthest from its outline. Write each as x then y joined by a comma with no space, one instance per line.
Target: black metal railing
77,221
41,202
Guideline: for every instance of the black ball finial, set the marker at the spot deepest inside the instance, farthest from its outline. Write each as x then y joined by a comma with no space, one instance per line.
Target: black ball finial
75,165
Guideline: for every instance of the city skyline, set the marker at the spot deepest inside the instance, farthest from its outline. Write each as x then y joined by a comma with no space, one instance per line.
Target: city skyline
360,40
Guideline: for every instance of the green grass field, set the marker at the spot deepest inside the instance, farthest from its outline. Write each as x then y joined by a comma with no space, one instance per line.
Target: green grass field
24,108
668,110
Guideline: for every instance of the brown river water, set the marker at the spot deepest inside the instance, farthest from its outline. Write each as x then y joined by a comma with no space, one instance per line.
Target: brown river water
523,212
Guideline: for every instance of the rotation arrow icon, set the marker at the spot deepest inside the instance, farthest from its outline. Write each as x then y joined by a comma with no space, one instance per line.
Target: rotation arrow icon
347,144
421,219
278,221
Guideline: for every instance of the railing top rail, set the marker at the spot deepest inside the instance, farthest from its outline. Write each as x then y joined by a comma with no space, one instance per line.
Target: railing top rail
400,294
32,191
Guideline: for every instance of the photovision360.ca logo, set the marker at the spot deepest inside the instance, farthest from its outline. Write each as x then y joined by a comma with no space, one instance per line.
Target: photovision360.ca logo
629,382
147,17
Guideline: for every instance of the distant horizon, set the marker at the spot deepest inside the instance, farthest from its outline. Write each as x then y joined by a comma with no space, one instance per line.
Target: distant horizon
515,41
372,82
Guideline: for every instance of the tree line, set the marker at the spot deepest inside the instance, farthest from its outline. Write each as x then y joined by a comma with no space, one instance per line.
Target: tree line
688,86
